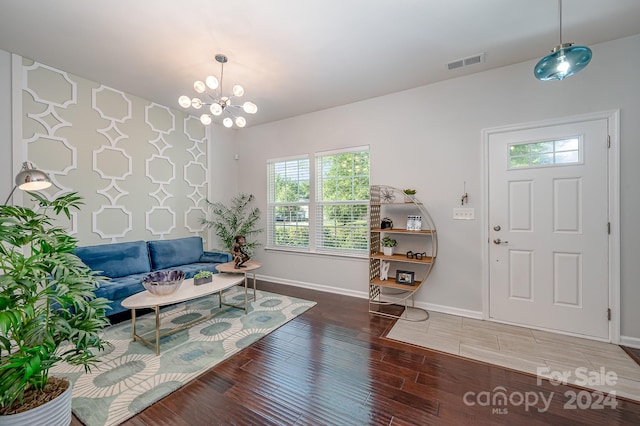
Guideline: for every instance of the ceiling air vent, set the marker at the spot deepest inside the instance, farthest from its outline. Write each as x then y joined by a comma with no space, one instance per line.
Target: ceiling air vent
465,62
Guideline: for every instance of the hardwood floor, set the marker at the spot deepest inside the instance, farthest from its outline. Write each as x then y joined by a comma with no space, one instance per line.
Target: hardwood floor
330,366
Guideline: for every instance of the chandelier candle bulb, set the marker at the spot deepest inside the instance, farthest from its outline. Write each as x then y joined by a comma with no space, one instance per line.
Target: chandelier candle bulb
212,82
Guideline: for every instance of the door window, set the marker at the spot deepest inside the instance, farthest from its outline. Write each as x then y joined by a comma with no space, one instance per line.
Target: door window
545,153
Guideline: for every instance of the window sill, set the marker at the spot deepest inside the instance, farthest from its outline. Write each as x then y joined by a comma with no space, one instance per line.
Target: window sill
321,254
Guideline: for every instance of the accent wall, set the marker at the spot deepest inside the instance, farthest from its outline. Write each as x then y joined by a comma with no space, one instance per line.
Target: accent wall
140,167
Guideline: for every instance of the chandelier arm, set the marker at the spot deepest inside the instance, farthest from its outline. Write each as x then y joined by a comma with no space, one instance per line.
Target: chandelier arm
228,111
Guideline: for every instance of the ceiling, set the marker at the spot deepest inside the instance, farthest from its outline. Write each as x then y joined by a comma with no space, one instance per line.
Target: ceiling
293,56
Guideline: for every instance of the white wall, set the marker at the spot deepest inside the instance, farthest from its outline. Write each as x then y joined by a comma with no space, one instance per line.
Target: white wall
430,138
6,171
223,171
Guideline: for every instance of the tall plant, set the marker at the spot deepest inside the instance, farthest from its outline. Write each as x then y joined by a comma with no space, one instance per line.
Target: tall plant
237,219
46,299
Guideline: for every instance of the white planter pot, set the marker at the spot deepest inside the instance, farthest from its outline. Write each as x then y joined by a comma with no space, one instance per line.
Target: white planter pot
53,413
388,251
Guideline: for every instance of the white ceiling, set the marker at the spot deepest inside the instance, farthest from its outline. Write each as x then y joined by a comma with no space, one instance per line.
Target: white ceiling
297,56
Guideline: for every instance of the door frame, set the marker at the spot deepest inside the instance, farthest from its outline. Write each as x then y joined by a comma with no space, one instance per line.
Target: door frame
613,172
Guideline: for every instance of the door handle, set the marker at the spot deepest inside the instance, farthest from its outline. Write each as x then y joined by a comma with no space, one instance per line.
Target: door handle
499,241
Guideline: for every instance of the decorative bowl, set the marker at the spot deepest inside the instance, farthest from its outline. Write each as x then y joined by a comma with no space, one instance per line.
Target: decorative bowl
161,283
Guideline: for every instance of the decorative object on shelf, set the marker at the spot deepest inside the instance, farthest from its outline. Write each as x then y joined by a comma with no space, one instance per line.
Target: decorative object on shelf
29,179
417,256
202,277
414,223
388,244
384,270
161,283
564,60
219,104
404,277
409,195
387,196
386,223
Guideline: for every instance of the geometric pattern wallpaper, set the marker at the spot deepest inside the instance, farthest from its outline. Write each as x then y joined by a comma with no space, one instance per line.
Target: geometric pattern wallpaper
140,167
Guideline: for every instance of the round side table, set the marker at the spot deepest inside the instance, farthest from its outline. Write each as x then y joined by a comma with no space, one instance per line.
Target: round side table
249,267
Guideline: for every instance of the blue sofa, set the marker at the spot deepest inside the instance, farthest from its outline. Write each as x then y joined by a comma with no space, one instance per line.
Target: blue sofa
127,263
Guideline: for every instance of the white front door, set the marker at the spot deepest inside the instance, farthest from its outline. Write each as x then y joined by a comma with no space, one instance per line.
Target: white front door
548,219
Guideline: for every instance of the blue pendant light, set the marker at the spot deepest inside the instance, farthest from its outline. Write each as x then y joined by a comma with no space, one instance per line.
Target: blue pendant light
564,60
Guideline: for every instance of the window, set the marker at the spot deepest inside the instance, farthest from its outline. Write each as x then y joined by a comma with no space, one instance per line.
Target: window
342,201
288,203
333,219
547,153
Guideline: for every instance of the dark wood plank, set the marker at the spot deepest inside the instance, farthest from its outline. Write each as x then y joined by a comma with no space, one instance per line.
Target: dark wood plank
634,353
332,366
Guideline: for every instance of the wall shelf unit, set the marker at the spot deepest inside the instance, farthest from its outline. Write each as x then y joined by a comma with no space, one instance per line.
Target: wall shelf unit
387,202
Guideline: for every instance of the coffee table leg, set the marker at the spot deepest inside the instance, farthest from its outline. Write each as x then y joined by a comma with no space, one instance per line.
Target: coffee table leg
133,324
157,309
254,286
246,296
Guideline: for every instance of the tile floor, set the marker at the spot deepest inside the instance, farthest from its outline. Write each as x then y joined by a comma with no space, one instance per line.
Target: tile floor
591,364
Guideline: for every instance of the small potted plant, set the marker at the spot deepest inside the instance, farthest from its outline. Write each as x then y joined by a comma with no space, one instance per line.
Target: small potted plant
202,277
388,244
408,195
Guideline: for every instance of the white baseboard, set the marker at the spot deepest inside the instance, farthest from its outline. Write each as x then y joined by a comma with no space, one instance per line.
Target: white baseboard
365,295
632,342
450,310
312,286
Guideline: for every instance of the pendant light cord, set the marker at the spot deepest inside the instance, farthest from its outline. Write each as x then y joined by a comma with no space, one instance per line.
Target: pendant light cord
560,20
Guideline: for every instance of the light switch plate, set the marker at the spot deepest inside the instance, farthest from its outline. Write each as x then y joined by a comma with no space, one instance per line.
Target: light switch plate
468,213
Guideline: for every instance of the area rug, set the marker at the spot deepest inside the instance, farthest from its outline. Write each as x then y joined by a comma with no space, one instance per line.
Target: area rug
602,367
130,377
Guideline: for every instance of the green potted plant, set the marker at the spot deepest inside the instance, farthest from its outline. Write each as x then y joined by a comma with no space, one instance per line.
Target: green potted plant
48,309
408,195
238,219
388,244
202,277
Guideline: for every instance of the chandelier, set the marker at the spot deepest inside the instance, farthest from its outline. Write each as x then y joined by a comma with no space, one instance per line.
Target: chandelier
216,102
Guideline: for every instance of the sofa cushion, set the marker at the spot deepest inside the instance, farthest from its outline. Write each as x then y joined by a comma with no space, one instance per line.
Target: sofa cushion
215,257
118,289
117,259
167,253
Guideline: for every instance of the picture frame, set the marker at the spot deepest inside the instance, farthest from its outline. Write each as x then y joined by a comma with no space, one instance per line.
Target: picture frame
404,277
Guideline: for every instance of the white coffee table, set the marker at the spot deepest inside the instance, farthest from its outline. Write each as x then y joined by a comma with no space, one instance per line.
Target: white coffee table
187,291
